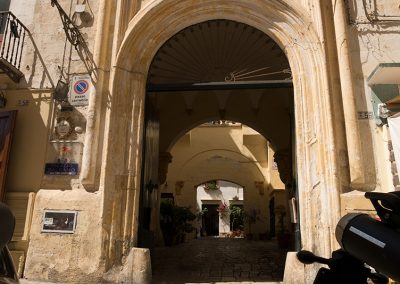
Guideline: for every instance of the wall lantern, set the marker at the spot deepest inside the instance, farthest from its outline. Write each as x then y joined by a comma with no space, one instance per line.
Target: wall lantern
61,91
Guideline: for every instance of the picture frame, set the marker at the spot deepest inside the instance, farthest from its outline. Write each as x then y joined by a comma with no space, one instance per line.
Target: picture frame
59,221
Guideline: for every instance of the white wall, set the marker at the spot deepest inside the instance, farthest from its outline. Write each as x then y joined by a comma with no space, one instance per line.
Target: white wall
24,10
225,194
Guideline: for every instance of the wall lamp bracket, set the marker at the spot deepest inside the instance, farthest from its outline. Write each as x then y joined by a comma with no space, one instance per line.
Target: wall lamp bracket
73,34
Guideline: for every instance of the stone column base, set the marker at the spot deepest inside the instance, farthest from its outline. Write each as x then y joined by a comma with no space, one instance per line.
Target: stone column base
135,270
294,270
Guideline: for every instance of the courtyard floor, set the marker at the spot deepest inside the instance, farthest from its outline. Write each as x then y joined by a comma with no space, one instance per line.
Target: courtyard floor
214,260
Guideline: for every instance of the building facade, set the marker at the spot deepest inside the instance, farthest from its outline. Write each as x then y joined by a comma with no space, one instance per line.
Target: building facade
96,93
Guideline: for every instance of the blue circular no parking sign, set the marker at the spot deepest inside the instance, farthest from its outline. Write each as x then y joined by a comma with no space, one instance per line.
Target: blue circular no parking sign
81,87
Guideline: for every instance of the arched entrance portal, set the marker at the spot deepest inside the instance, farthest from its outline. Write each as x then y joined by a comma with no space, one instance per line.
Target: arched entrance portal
217,69
315,148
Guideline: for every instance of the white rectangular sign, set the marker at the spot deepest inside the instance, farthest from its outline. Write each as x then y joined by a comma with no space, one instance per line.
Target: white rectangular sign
80,90
59,221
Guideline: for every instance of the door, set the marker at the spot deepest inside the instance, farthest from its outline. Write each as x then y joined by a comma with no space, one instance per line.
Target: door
148,213
7,122
210,220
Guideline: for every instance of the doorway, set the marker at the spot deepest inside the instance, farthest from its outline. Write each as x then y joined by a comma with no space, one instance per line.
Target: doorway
210,220
313,103
220,73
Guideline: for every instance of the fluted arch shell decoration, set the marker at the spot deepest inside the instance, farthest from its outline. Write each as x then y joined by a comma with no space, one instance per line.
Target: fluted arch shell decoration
218,51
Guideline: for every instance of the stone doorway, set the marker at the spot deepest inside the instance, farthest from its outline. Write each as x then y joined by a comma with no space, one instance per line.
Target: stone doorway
316,152
224,71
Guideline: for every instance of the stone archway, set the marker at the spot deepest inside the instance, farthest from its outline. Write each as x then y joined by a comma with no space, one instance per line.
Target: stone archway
315,148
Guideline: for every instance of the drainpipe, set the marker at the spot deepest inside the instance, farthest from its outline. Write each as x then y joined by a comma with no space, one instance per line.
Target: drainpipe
90,151
357,172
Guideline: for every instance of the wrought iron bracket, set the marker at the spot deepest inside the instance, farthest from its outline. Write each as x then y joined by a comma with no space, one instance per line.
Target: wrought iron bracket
73,34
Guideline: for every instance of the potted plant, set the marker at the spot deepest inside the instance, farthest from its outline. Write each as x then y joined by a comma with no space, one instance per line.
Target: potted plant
236,220
211,185
175,222
199,215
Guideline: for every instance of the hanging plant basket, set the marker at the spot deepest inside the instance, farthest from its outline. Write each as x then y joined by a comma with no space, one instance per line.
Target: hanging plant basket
211,185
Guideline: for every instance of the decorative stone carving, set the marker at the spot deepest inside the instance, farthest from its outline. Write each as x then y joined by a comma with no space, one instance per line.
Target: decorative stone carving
63,127
178,187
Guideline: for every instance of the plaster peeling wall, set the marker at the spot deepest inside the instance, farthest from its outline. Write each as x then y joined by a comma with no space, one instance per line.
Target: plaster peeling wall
24,10
75,257
59,57
372,43
48,57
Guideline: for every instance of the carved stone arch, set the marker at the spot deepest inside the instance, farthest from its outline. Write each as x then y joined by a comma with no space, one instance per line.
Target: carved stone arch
315,149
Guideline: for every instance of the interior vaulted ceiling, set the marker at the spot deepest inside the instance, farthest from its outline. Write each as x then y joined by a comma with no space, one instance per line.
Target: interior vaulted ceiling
218,51
231,55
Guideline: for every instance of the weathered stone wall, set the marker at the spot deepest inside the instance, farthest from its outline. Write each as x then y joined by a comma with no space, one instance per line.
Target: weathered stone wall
48,57
107,224
74,258
373,37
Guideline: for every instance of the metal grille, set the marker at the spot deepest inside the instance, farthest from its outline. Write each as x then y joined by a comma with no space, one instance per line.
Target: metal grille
12,38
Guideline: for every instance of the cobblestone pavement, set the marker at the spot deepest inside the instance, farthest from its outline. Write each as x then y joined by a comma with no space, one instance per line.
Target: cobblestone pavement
213,260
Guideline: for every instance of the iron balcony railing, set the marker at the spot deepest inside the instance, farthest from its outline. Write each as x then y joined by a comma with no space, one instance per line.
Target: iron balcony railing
12,38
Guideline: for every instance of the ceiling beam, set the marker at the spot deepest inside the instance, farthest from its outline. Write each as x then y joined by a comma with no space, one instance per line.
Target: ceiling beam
273,84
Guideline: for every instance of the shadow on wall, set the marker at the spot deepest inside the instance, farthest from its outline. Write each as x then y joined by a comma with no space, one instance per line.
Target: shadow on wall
35,106
26,166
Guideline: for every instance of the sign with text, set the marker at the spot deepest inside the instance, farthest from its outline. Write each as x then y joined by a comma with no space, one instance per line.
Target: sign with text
55,221
80,90
63,158
62,169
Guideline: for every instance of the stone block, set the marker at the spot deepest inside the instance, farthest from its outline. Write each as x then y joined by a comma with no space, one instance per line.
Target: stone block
294,269
355,201
135,270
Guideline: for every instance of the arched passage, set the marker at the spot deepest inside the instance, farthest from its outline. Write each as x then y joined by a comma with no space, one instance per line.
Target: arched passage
201,158
315,148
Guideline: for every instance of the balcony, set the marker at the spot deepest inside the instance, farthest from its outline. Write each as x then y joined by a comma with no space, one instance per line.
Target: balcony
12,37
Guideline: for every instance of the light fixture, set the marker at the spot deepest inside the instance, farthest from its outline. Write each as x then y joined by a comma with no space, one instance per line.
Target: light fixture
61,91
